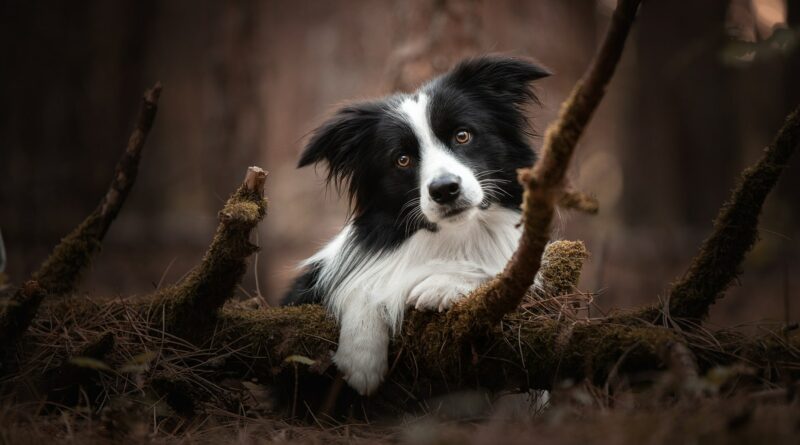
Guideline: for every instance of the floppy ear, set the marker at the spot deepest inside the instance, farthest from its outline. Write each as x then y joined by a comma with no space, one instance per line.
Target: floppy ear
333,140
338,140
504,78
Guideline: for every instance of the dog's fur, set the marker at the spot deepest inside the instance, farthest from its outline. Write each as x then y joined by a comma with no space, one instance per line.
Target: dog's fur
401,247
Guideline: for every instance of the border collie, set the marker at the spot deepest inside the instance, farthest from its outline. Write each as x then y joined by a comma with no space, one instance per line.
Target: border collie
431,179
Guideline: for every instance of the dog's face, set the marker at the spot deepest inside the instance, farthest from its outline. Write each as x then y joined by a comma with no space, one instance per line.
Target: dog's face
437,157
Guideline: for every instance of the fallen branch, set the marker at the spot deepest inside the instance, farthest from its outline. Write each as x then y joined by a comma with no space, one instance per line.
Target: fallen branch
190,308
63,269
544,187
275,346
719,259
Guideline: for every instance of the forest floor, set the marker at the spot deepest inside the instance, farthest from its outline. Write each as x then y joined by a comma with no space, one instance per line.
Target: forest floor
580,413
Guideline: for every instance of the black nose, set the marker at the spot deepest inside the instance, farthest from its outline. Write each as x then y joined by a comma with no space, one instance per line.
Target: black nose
445,188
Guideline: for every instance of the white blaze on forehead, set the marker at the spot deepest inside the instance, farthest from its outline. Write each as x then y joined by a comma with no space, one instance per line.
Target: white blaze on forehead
435,158
415,110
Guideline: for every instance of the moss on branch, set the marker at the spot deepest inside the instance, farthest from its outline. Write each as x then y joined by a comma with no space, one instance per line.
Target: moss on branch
718,261
560,272
523,353
191,307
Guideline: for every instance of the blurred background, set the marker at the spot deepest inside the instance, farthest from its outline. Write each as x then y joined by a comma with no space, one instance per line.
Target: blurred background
701,89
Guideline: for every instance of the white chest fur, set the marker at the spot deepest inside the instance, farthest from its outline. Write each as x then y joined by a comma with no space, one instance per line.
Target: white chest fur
482,244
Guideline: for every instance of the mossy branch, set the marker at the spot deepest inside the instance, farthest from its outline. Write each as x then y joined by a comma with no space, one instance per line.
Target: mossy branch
560,271
719,259
191,306
60,273
524,352
544,187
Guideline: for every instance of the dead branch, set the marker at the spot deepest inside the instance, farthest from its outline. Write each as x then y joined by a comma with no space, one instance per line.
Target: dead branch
524,352
543,185
60,273
190,308
719,259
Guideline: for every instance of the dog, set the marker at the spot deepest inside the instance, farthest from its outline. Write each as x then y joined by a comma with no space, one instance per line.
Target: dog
434,203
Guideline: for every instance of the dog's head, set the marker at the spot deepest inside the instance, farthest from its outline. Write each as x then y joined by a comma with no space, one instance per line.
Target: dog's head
438,156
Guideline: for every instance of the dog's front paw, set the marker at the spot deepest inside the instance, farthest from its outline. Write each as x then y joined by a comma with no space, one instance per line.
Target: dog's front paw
363,366
438,292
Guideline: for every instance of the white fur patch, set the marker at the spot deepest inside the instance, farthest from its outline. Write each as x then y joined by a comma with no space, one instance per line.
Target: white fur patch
368,293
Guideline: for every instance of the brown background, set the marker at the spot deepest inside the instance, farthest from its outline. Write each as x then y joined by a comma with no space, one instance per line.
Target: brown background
245,81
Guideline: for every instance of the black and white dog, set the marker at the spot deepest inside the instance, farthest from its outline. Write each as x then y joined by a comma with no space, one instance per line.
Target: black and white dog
431,178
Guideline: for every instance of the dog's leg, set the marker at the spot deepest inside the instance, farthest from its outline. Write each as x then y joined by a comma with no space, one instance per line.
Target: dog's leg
445,284
363,345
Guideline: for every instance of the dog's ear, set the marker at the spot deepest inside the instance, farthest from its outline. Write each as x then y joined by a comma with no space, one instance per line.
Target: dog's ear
335,140
341,142
506,79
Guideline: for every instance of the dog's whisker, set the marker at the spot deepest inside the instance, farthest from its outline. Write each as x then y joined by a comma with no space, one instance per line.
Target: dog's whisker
486,173
495,188
493,181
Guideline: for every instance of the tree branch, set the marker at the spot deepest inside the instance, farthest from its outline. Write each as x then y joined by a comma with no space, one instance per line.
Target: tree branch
543,185
719,259
190,307
63,269
525,352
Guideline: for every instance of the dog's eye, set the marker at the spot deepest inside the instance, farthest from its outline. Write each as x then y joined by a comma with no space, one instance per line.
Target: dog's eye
403,161
463,136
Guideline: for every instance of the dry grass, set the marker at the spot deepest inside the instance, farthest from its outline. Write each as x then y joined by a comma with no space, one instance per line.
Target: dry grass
726,405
